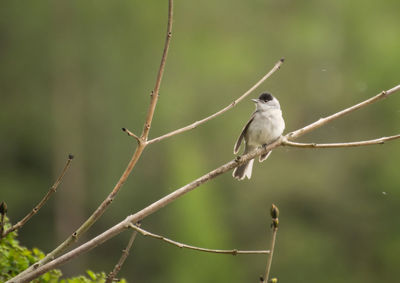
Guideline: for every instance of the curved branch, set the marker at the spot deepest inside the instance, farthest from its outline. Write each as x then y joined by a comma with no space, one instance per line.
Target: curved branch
181,245
231,105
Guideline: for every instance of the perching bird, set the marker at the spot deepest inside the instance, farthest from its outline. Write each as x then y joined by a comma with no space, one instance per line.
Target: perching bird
264,127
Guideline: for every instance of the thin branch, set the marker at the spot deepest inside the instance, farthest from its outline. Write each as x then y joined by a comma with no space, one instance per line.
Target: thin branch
125,253
181,245
381,140
274,226
296,134
35,210
134,218
129,133
135,157
155,92
231,105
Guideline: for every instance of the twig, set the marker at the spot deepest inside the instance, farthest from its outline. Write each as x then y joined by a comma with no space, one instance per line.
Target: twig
323,121
131,134
125,253
181,245
274,226
231,105
381,140
155,92
134,218
135,157
35,210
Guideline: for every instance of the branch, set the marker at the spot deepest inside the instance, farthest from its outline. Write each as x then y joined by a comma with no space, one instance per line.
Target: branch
134,218
296,134
181,245
135,157
231,105
155,92
35,210
381,140
274,226
129,133
125,253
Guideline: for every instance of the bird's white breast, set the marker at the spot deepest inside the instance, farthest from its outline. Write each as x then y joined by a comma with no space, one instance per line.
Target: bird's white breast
266,127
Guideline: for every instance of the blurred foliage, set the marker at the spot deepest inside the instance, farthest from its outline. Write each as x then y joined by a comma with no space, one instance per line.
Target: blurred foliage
15,258
73,73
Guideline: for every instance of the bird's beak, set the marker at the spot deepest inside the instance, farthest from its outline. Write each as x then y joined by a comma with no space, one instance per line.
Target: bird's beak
255,100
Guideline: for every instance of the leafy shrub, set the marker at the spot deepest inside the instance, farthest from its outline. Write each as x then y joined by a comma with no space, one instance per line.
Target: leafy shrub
15,258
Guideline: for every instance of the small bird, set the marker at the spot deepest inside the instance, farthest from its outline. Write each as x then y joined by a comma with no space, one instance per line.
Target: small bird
264,127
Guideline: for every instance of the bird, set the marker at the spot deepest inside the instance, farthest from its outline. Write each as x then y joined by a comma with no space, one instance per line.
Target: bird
265,126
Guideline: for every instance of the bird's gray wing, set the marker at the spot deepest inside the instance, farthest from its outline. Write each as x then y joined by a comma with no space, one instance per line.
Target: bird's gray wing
242,134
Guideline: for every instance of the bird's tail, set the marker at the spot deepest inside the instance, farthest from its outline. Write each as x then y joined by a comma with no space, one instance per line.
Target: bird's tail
243,170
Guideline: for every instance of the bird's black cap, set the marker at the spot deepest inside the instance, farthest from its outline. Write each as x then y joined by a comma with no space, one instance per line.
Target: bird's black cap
266,97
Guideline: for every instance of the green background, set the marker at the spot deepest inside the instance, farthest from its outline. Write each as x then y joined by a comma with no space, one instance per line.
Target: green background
72,73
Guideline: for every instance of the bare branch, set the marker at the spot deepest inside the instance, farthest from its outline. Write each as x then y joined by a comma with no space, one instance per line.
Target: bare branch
125,253
35,210
135,157
381,140
155,92
274,226
296,134
134,218
132,135
231,105
181,245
